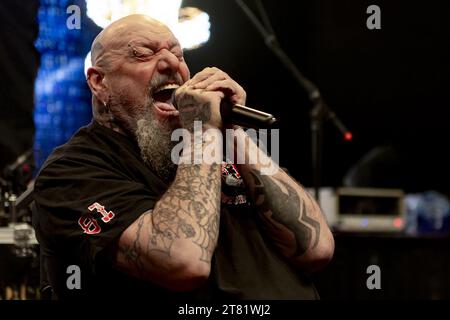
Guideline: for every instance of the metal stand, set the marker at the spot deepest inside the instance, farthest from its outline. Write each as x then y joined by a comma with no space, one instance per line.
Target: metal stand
320,111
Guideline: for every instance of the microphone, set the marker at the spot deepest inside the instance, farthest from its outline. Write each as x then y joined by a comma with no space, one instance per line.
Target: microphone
246,117
241,115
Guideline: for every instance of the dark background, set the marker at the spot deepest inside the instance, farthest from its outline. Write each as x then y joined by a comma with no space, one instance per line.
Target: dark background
19,62
389,86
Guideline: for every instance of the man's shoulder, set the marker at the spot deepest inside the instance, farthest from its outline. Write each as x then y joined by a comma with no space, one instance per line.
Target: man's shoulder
94,152
77,146
89,147
92,142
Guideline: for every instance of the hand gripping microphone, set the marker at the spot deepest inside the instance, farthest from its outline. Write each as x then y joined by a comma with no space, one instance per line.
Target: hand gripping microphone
242,116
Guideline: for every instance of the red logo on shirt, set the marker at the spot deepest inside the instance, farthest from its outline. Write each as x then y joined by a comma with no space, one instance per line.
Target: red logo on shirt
89,224
107,216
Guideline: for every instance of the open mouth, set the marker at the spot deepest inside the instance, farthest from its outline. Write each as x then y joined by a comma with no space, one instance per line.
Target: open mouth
162,99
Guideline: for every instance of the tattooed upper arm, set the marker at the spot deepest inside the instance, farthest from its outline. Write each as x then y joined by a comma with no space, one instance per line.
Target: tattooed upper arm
285,208
172,244
290,216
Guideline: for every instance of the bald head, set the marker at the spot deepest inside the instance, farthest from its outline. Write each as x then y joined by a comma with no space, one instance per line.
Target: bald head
113,40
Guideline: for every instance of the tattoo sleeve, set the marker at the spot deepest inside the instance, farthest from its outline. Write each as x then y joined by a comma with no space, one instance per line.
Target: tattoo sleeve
185,221
189,210
283,209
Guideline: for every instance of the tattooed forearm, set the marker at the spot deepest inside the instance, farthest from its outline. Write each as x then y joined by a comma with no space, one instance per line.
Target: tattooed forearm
285,213
189,209
289,218
180,232
130,253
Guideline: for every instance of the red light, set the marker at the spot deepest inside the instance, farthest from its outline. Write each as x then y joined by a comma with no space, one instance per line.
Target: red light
348,136
26,168
398,222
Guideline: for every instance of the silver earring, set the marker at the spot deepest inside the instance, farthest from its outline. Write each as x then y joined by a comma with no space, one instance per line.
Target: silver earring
111,116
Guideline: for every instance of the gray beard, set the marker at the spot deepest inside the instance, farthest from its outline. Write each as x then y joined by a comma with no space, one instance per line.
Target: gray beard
153,136
154,140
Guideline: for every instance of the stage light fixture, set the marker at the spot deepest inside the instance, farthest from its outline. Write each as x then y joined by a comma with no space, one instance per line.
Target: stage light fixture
190,25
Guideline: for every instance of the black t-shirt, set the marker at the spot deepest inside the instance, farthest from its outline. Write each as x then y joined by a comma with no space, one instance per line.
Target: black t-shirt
93,187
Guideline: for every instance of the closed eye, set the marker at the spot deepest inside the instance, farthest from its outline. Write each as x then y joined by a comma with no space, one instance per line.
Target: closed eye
178,54
139,52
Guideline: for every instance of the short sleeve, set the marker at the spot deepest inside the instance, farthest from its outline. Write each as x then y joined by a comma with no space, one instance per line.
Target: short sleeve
84,206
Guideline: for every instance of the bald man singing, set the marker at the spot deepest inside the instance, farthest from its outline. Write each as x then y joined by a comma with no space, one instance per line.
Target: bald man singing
117,217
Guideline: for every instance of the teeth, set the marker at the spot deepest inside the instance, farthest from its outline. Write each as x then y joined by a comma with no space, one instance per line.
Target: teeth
167,86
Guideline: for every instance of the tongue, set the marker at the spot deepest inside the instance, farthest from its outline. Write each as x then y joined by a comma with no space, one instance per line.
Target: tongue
164,106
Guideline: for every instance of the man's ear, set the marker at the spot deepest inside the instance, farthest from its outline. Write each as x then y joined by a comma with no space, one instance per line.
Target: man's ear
95,80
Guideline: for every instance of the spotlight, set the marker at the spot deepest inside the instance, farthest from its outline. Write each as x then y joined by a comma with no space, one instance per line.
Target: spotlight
190,25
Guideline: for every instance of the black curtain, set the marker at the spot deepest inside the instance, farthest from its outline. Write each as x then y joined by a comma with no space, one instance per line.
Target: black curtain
19,62
389,86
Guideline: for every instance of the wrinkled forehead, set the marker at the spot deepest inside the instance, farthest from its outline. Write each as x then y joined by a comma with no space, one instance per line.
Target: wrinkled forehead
150,31
116,37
